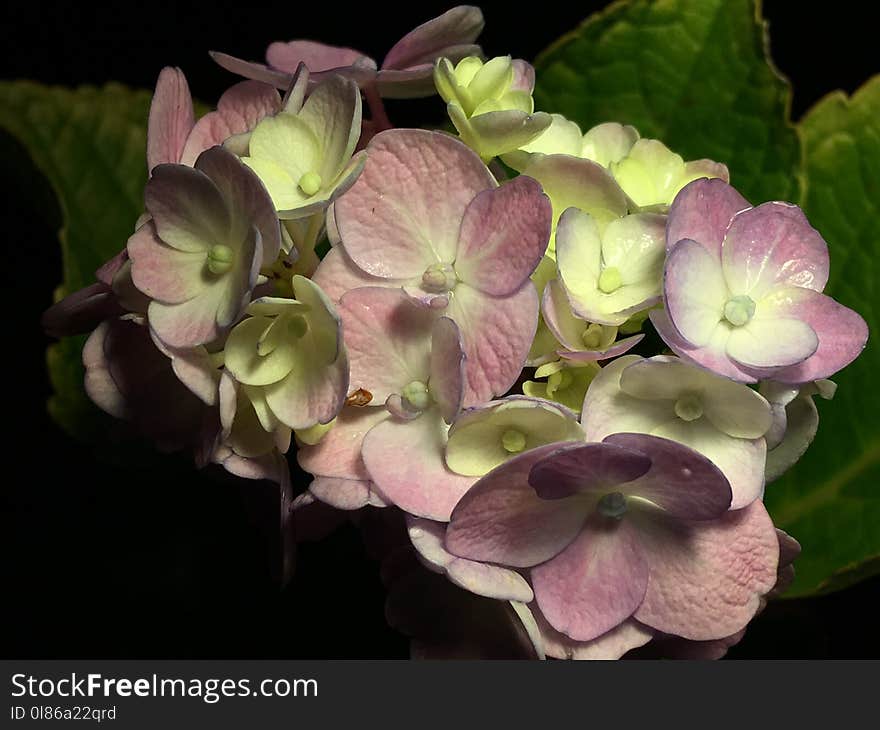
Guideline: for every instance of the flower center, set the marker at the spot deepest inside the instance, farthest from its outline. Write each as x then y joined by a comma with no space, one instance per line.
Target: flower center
592,336
739,310
688,407
439,278
610,279
416,395
612,505
220,259
310,183
513,441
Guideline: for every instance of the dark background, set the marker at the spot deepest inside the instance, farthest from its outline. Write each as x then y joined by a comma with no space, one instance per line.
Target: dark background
109,561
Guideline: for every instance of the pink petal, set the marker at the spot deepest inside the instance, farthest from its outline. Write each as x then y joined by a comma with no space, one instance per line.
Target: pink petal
503,236
345,494
316,56
503,520
420,484
171,118
611,645
681,481
702,211
588,469
773,245
491,581
239,110
707,578
337,274
694,291
497,333
459,26
842,335
523,76
338,454
447,368
405,210
388,338
162,272
596,583
252,70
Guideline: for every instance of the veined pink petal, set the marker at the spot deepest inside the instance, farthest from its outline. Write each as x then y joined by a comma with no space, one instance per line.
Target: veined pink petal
773,245
458,26
405,210
338,454
447,368
707,578
171,118
842,334
702,211
497,334
239,110
388,338
694,291
501,519
596,583
503,236
420,483
337,274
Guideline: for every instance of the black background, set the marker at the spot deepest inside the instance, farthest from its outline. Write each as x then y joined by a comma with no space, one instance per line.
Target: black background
106,561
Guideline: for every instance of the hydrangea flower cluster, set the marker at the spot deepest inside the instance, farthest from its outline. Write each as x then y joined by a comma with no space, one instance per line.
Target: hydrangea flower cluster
464,354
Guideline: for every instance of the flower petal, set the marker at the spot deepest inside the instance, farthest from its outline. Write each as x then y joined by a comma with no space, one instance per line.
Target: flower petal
596,583
702,211
503,236
404,212
458,26
388,339
694,291
420,484
501,519
171,118
497,333
309,395
773,245
446,382
338,454
707,578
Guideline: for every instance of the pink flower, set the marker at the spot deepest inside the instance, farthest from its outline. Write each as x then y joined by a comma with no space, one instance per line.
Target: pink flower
743,290
427,216
633,527
406,72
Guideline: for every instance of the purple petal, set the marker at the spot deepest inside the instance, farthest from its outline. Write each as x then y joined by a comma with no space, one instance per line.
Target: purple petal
81,311
680,481
501,519
316,56
503,236
588,469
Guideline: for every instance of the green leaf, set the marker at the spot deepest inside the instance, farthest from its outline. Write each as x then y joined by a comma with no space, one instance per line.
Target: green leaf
90,144
830,500
694,75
